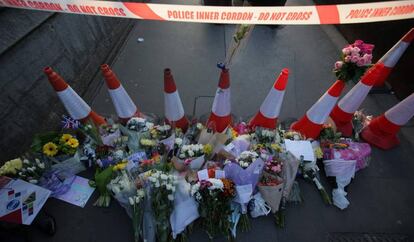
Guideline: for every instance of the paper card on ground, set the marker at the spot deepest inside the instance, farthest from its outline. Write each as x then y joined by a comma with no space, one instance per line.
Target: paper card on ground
202,175
20,201
244,193
220,174
79,192
229,147
300,147
169,142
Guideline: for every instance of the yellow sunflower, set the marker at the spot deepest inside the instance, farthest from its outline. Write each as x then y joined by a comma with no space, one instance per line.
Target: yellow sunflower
50,149
74,143
65,138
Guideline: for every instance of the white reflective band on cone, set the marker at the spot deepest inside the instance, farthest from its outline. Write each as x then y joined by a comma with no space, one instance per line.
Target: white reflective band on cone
353,99
74,104
221,104
320,111
174,110
392,56
270,107
124,106
401,113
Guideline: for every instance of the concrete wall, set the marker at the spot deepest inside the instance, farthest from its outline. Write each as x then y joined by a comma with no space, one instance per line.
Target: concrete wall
73,45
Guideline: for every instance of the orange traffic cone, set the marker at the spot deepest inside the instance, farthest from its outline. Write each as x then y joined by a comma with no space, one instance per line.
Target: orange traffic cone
270,108
391,58
382,131
343,112
220,116
76,107
124,106
310,124
174,111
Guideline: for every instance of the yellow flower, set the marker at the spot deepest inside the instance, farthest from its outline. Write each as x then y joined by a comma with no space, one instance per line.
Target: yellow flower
318,153
65,138
120,166
74,143
234,133
276,147
50,149
11,167
207,149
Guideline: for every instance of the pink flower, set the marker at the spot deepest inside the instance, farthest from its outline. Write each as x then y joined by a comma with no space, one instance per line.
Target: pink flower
355,51
347,50
361,62
367,48
338,65
276,168
358,43
187,162
354,59
367,58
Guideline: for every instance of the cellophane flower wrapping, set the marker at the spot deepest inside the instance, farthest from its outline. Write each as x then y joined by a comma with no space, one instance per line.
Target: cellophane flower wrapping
343,171
361,152
185,207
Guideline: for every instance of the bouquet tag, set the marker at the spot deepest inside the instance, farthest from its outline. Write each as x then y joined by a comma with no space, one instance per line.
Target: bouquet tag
244,193
202,175
220,174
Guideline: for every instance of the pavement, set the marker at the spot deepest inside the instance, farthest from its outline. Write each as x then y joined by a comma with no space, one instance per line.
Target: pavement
381,195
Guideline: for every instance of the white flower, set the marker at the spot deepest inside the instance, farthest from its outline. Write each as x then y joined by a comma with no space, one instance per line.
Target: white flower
173,189
184,148
182,156
33,181
137,199
152,179
227,162
141,193
26,161
164,177
191,153
157,184
199,126
42,165
178,141
131,201
168,187
195,188
116,189
216,184
171,197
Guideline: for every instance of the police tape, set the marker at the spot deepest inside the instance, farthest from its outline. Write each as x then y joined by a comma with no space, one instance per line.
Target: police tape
287,15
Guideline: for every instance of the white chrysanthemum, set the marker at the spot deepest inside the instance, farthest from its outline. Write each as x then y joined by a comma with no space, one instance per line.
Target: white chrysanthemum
216,184
191,153
178,141
131,201
171,197
163,176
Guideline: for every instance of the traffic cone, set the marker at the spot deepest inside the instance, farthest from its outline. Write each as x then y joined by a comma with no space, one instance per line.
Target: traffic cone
382,131
310,124
344,111
174,111
76,107
220,116
124,106
270,108
391,58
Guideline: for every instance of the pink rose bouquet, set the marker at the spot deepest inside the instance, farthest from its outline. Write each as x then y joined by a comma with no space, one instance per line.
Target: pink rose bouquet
355,60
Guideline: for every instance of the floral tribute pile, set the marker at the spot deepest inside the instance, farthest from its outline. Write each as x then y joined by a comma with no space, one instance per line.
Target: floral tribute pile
170,181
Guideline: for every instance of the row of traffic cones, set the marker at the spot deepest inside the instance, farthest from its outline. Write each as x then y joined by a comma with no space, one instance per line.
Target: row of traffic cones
309,125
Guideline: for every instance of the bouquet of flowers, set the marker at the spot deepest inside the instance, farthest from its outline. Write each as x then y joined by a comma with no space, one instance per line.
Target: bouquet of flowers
32,170
271,183
359,121
161,131
137,206
109,134
193,155
55,145
11,167
355,60
246,158
162,186
215,196
265,136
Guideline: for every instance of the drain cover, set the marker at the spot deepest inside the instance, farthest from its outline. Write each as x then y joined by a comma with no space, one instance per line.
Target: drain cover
366,237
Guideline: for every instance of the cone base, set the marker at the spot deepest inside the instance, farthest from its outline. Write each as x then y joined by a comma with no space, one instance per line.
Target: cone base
219,123
261,121
182,123
379,140
307,128
95,118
